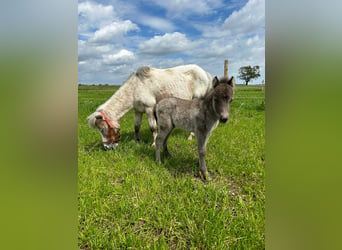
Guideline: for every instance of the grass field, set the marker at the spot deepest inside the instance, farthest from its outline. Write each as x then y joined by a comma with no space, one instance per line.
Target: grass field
126,201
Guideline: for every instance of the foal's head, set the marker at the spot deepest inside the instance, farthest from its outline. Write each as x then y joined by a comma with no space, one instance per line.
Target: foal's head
223,96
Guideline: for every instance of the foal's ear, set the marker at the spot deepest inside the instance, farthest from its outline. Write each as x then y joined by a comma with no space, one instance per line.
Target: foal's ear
231,81
215,81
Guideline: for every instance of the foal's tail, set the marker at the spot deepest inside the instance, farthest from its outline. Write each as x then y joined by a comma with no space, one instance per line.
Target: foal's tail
158,99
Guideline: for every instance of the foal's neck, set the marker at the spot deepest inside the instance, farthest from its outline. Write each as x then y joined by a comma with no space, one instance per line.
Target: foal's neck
207,106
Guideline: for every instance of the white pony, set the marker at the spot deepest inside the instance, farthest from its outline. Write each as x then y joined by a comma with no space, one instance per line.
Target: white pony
141,91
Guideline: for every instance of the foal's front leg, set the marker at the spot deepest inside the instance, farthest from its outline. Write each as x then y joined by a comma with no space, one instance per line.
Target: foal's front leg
202,139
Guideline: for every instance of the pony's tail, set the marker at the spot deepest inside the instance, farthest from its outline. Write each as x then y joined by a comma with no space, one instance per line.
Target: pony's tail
155,112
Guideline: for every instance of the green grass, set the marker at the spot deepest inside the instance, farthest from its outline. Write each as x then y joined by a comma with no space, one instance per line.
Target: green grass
126,201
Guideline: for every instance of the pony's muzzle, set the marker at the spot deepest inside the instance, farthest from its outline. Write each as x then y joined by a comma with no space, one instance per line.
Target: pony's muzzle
110,145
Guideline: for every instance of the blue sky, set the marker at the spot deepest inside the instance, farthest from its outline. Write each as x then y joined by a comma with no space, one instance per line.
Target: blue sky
115,37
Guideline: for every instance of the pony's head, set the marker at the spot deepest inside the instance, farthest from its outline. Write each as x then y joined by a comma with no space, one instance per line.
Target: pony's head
110,134
223,96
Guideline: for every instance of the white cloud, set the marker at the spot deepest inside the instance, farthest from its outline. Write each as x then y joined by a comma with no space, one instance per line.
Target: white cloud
113,32
157,23
246,20
95,12
122,57
177,8
93,16
88,51
169,43
252,40
169,63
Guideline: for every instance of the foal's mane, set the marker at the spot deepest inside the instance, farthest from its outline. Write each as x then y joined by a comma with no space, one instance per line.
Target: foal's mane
222,80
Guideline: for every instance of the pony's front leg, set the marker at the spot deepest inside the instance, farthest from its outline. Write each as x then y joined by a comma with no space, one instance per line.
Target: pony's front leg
152,123
137,125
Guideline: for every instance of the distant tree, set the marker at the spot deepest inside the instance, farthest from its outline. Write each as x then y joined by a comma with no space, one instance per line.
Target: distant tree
248,73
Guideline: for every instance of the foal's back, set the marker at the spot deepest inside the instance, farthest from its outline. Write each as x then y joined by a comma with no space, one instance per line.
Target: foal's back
176,112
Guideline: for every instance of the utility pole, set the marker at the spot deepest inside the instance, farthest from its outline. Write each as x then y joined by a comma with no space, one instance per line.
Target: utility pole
225,68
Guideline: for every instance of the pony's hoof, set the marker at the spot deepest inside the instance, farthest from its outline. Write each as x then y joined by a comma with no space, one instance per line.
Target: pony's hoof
153,145
159,162
191,136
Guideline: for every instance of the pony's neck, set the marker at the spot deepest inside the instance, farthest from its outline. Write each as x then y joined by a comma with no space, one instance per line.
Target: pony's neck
119,104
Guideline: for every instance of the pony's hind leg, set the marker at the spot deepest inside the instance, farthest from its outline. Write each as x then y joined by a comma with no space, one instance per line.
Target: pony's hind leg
152,123
137,125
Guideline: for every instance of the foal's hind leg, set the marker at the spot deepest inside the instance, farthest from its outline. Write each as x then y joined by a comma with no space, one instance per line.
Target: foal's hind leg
165,150
165,129
162,137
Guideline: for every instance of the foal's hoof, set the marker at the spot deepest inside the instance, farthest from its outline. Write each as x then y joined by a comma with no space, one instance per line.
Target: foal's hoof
205,176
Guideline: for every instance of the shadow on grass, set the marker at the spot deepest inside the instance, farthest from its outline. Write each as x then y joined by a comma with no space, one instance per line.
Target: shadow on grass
176,164
94,146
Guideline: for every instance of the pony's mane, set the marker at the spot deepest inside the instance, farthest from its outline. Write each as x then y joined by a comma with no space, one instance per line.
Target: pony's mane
143,72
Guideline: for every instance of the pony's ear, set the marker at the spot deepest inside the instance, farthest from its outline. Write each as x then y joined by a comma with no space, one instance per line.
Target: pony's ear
231,81
215,81
93,120
99,123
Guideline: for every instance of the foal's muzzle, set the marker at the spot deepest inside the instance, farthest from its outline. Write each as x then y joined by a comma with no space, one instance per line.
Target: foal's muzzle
223,120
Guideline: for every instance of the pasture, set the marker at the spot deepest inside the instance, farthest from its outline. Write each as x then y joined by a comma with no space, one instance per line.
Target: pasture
127,201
